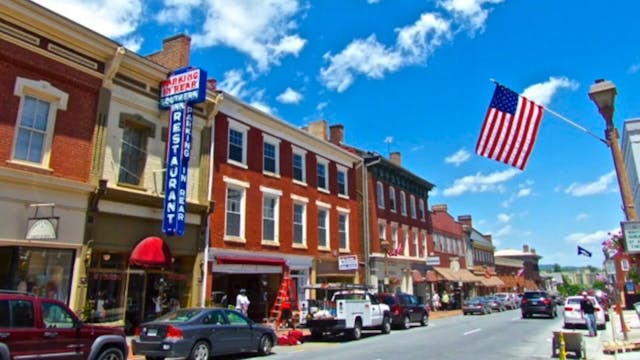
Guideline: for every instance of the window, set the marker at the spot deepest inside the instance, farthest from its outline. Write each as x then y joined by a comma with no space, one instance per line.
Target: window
236,319
323,174
403,203
412,204
235,209
299,223
270,218
382,230
425,251
343,230
392,199
16,314
271,155
133,155
237,143
55,316
323,228
39,105
416,244
342,181
405,242
421,209
394,236
299,165
380,194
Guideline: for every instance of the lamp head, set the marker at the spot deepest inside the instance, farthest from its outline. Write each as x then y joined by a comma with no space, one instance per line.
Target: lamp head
603,94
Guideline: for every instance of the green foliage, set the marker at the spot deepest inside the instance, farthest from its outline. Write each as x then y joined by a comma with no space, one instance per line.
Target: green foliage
86,313
557,267
599,285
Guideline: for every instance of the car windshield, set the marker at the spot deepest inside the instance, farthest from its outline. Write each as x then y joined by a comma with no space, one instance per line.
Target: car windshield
533,295
181,315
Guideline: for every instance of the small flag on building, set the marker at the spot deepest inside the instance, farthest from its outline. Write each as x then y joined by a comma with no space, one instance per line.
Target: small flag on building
521,272
583,251
510,128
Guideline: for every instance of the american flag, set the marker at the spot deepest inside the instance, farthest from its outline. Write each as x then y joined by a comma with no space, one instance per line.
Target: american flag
510,128
521,272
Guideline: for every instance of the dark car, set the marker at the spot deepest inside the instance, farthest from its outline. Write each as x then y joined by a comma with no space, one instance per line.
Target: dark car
405,309
199,333
476,305
36,327
538,302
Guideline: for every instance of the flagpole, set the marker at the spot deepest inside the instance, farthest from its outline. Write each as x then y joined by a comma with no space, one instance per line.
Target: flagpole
579,127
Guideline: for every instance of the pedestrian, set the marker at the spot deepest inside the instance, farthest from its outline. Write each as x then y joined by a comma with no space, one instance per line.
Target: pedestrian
242,302
286,312
588,314
435,300
445,300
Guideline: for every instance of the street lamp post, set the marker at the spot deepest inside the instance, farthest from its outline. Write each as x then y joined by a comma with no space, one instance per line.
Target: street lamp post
603,93
385,246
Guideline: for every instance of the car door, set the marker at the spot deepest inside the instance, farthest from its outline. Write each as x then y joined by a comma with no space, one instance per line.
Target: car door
416,313
240,335
61,333
218,330
375,310
18,328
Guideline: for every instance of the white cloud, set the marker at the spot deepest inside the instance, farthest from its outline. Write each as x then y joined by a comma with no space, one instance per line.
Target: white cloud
595,238
373,1
115,19
322,105
504,218
177,11
417,148
388,139
481,183
260,29
260,105
469,12
634,68
233,83
420,39
542,93
133,43
289,96
458,157
582,217
504,231
600,186
524,192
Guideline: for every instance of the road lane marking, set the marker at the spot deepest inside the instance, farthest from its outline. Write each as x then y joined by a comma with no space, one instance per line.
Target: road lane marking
472,331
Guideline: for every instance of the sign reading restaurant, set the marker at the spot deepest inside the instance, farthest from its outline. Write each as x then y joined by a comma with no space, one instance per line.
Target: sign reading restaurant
183,88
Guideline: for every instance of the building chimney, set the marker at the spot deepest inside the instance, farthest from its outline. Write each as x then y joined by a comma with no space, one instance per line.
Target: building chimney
465,220
439,208
175,52
396,158
525,248
336,134
318,129
533,251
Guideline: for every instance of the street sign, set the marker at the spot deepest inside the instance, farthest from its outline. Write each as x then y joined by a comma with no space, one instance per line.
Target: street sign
433,260
631,231
348,262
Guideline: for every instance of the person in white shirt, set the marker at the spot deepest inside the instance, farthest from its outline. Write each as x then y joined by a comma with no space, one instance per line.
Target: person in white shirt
242,302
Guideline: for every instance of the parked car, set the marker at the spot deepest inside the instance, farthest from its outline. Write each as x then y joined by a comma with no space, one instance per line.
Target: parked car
476,305
573,314
508,299
495,303
35,327
198,333
405,309
537,302
558,299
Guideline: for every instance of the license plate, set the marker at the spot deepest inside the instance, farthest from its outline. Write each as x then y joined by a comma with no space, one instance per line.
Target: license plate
152,332
535,303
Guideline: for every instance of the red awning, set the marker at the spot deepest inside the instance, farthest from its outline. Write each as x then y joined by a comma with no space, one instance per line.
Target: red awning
226,260
151,252
417,276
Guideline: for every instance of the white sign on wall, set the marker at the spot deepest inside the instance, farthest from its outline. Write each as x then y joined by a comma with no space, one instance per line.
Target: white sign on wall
631,230
348,262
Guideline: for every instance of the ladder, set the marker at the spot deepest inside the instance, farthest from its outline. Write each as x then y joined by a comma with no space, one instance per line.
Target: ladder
284,294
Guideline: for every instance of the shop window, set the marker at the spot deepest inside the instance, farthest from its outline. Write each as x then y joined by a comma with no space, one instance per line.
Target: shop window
133,152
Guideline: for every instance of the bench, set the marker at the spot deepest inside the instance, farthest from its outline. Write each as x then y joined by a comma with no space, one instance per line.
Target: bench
573,343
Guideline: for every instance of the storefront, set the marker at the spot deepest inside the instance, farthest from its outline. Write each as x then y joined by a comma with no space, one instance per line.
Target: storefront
391,275
260,274
458,283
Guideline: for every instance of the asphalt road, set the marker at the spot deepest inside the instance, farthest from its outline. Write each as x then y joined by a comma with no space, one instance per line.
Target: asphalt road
496,336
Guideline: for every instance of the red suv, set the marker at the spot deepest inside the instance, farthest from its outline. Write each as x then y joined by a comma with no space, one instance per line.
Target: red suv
32,326
405,309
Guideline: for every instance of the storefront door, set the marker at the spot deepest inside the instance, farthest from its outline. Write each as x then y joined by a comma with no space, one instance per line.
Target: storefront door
135,300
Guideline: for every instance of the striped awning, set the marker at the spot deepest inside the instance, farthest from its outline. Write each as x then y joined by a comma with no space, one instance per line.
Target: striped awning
462,275
491,281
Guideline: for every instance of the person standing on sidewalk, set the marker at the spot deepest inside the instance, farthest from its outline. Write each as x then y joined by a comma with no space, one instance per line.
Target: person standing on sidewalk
445,301
588,314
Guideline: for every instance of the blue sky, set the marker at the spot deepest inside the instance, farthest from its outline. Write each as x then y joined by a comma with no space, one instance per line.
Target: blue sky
413,76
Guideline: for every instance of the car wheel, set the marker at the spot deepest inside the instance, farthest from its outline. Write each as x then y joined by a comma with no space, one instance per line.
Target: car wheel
425,320
464,313
316,334
200,351
356,332
265,345
386,325
406,323
153,358
111,354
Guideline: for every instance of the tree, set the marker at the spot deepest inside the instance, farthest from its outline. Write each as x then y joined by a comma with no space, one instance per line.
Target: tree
557,267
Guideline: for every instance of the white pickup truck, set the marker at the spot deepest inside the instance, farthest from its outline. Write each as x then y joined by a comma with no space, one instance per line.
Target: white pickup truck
349,312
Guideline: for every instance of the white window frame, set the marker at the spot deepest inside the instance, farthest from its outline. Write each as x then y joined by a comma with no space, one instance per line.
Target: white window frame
268,193
302,201
403,203
242,187
405,240
322,162
416,246
241,128
425,243
393,204
268,139
303,155
57,100
380,194
327,210
394,236
412,204
382,230
344,212
422,211
343,170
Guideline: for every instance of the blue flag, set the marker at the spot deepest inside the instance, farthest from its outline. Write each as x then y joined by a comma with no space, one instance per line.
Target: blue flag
583,251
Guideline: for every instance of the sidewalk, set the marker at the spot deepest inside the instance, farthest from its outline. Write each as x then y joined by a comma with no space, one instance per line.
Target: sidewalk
598,348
